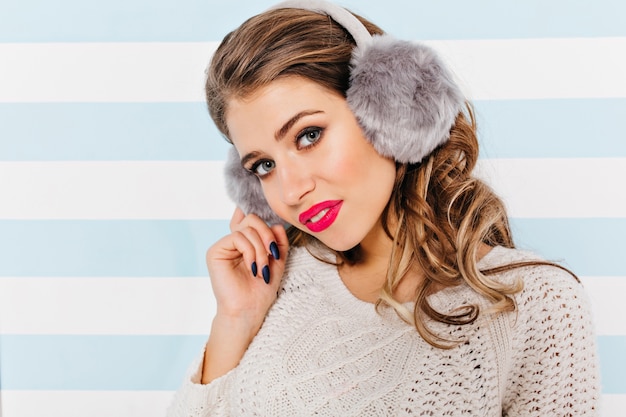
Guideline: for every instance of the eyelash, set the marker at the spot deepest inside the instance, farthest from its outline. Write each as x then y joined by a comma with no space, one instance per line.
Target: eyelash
256,165
301,135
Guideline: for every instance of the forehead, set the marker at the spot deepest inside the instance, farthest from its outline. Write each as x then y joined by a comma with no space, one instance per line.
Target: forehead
288,89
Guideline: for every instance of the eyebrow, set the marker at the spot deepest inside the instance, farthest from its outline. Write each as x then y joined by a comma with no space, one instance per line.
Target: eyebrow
248,157
280,133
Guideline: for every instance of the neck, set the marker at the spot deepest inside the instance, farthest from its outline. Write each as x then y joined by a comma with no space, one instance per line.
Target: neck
375,250
376,242
366,278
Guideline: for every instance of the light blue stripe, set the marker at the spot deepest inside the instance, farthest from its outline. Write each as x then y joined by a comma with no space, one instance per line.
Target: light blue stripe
146,248
109,131
593,247
576,128
159,362
198,20
184,131
612,352
96,362
126,248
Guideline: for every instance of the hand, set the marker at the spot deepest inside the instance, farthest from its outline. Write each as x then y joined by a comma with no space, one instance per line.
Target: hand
243,299
231,261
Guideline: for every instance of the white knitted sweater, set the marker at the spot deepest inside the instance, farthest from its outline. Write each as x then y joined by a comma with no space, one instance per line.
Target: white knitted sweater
323,352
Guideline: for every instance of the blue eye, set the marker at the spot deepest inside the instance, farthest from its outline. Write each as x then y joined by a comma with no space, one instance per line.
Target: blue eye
309,136
263,167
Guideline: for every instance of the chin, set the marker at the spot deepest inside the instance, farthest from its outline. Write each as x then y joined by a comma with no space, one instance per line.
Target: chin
332,242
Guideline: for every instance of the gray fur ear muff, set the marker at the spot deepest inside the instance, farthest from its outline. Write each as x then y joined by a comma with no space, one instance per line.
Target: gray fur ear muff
244,188
403,97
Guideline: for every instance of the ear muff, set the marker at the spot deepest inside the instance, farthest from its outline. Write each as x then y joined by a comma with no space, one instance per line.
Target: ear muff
244,188
402,95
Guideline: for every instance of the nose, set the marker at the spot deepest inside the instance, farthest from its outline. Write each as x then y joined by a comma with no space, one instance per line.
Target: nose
295,181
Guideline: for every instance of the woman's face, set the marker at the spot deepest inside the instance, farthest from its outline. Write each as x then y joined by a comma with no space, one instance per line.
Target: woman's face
317,170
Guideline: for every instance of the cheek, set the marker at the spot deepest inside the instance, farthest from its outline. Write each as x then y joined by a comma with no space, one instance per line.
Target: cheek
358,164
344,161
340,168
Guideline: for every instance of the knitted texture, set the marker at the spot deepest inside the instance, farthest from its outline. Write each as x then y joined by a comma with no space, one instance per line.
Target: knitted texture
323,352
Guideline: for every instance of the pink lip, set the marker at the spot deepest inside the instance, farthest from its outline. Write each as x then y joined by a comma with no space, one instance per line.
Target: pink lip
327,220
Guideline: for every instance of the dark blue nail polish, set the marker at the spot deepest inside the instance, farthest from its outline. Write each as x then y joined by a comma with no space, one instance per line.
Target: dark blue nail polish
266,274
254,269
274,250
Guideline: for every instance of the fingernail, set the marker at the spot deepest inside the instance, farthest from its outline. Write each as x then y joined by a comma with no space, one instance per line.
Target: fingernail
266,274
254,269
274,250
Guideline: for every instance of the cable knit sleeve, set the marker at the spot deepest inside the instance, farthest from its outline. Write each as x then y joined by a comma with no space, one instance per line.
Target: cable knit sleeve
200,400
554,369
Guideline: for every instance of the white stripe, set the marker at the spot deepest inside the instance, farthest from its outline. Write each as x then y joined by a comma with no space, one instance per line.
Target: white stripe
143,403
613,405
174,72
531,188
538,68
103,306
162,306
558,188
84,403
103,72
113,190
607,299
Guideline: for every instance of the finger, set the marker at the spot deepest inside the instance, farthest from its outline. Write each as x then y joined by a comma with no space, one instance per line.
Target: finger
278,260
280,235
264,231
261,255
235,249
272,246
237,218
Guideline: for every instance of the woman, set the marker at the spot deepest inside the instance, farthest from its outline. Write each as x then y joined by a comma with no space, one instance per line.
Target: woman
367,271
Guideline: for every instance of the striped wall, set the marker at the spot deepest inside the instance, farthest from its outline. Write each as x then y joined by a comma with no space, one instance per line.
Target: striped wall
111,177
